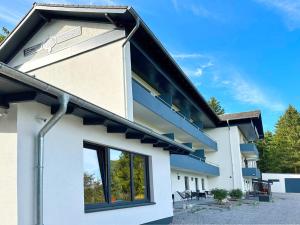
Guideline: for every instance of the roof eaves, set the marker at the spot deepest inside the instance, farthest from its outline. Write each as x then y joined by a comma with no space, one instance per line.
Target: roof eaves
44,87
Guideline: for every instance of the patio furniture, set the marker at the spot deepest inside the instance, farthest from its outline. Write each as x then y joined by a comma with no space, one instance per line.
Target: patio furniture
185,195
198,194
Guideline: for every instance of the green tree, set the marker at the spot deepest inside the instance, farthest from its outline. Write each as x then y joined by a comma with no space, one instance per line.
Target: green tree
265,148
216,106
280,152
286,143
93,189
3,34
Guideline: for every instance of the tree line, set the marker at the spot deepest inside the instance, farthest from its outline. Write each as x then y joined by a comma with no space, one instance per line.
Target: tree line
3,34
279,151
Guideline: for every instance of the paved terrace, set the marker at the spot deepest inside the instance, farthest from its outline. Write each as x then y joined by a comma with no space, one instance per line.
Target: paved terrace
283,209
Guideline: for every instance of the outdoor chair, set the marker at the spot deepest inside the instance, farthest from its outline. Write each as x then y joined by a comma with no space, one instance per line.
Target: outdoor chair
198,194
185,195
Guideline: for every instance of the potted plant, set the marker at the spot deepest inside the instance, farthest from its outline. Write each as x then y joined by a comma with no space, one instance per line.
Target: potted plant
219,194
236,194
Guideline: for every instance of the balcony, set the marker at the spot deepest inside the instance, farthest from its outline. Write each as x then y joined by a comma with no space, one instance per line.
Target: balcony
194,164
153,112
251,172
249,150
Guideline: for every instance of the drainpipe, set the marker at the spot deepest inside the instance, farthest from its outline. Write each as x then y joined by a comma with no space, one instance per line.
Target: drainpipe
136,27
231,154
63,101
132,32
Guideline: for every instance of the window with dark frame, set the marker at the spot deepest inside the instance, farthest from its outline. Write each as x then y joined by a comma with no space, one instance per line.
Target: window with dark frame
114,177
203,184
196,184
186,183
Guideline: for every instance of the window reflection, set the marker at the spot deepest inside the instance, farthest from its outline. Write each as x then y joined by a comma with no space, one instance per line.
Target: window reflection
120,176
93,185
139,177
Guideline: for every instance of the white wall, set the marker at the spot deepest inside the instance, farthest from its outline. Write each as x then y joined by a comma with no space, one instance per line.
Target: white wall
179,185
228,157
8,167
278,186
63,172
99,76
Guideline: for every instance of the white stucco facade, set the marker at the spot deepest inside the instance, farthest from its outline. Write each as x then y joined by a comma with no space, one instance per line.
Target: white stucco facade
92,74
178,182
228,158
63,171
280,185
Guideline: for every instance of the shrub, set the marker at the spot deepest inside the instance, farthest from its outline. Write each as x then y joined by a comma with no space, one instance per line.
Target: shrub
236,193
219,194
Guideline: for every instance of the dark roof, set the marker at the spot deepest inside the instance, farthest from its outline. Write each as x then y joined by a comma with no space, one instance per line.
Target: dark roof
16,86
241,115
123,16
251,117
126,17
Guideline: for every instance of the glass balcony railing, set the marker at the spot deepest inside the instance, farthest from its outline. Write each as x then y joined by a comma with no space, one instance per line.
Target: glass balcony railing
194,164
163,109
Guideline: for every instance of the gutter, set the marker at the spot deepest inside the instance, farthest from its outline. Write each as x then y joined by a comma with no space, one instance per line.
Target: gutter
47,88
125,63
231,154
128,38
63,101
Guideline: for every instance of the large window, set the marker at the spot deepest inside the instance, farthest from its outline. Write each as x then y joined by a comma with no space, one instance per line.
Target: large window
114,177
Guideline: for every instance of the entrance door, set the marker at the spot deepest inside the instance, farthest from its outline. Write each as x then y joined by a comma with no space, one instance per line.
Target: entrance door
292,185
186,183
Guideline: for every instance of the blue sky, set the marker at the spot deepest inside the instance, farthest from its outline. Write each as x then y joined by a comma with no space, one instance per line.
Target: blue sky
245,53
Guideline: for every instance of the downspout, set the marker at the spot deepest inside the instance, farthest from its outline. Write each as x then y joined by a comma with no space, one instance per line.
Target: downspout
136,27
231,154
63,101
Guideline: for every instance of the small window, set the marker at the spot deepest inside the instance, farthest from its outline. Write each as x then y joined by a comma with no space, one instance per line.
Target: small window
139,177
113,177
120,176
93,177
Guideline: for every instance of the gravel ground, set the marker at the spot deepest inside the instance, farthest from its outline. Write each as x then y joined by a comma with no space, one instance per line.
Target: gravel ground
283,209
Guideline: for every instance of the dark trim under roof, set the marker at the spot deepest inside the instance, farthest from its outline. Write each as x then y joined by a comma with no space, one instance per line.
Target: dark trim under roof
242,118
123,16
126,17
16,86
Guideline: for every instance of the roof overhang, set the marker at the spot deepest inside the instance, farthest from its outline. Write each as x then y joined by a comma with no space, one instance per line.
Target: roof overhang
16,86
250,123
122,16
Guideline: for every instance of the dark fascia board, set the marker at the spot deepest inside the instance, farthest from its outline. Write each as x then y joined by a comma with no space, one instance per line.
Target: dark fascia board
163,54
41,13
76,102
127,16
257,122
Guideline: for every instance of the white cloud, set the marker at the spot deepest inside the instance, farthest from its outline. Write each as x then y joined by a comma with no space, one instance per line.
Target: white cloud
289,9
198,71
106,2
9,15
249,93
194,7
188,56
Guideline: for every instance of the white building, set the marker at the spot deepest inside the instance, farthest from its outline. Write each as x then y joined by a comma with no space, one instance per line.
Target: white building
231,166
93,110
283,182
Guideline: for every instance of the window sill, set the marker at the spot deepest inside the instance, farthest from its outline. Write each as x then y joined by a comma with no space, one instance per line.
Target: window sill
116,206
